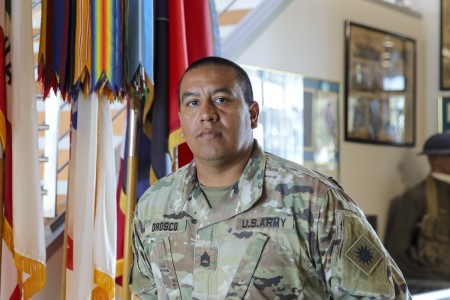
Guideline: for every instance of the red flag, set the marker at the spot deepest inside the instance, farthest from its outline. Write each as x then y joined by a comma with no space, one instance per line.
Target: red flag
3,139
190,38
199,29
178,62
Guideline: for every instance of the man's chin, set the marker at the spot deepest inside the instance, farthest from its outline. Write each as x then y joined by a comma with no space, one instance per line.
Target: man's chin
211,156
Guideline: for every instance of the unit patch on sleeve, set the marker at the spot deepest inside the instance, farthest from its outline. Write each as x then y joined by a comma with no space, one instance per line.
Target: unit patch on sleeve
265,222
364,255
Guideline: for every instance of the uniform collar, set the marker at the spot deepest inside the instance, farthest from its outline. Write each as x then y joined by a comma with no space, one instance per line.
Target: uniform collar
441,176
243,195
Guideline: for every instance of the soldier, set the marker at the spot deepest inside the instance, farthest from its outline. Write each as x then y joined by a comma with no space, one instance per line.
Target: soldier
418,230
239,223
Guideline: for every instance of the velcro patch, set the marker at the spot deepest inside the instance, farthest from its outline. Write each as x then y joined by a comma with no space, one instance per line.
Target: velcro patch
206,257
364,255
265,222
167,226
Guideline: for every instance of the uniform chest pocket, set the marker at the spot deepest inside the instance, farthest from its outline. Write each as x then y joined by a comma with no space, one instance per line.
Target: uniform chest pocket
269,270
163,268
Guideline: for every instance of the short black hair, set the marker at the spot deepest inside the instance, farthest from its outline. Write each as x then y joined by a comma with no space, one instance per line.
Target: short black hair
242,76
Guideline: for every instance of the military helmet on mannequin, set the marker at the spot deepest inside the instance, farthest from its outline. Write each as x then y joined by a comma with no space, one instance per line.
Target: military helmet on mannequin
437,148
437,144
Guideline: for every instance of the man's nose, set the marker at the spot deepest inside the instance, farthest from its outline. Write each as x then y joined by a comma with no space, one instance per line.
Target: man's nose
208,112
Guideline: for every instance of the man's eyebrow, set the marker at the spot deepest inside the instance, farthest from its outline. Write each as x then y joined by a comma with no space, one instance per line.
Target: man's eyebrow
222,90
214,91
188,94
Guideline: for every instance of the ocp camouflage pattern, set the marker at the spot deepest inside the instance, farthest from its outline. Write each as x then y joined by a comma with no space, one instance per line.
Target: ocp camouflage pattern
282,232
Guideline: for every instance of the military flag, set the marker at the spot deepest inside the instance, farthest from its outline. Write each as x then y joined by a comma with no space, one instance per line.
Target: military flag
106,47
54,44
193,34
158,116
82,60
91,246
23,259
139,60
83,152
3,140
3,129
165,61
81,47
81,55
105,211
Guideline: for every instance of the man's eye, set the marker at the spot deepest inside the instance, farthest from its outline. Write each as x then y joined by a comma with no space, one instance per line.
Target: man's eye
220,100
192,103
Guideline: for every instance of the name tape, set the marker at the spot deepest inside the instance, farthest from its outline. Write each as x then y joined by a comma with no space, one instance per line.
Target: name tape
168,226
265,222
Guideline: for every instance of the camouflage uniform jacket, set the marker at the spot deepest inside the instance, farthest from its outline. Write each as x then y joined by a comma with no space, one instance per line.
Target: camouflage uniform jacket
284,232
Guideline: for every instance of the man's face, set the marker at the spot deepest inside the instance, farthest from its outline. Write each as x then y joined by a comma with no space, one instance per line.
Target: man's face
440,163
215,120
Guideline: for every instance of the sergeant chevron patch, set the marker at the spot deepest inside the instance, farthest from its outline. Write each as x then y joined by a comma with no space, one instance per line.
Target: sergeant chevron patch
364,255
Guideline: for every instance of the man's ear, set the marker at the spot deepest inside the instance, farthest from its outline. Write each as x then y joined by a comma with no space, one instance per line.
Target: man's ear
254,113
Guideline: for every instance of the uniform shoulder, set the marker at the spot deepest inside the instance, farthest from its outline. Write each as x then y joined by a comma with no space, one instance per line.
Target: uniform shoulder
287,168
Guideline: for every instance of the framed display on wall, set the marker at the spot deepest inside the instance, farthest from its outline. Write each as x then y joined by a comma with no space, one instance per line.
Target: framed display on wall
444,114
444,49
299,118
379,94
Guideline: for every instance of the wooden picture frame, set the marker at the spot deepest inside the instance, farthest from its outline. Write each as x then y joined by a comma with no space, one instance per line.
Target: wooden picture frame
444,47
444,114
379,92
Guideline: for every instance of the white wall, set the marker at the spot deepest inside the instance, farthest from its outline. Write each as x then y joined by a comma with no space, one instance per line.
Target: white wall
307,37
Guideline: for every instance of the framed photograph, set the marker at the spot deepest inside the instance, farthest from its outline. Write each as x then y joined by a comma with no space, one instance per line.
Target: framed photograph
444,55
379,95
444,114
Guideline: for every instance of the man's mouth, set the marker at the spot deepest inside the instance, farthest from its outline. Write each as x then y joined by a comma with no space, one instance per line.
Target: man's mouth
209,134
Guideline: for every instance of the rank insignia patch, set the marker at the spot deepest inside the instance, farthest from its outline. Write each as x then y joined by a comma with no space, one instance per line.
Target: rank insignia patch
364,255
205,260
206,257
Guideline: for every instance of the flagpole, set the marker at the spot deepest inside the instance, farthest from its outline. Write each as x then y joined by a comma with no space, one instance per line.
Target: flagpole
64,246
132,164
2,193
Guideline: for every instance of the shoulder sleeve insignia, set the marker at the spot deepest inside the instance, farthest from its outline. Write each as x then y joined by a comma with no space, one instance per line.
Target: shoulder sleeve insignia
364,255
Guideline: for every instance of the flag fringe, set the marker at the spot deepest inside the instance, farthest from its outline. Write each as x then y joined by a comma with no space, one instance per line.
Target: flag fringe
3,130
175,138
119,267
105,285
34,268
103,87
99,294
153,177
85,80
123,201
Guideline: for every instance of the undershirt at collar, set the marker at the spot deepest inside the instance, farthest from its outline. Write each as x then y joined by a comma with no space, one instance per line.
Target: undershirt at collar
215,194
